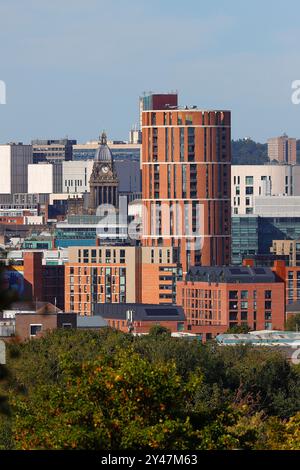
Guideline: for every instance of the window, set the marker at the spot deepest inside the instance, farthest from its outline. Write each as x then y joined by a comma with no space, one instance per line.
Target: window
244,294
249,190
244,316
233,294
268,304
233,305
233,316
268,294
107,256
249,180
181,144
35,329
244,305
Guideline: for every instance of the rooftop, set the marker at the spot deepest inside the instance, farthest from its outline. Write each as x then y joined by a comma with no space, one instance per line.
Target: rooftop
141,312
231,274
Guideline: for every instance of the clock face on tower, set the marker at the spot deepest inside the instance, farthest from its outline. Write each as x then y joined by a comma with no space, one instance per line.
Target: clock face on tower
104,169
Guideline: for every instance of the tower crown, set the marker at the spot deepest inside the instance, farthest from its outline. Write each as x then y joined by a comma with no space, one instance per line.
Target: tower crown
103,153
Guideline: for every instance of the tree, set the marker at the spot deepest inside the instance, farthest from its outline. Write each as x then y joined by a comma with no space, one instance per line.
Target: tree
110,390
115,402
238,329
158,330
293,323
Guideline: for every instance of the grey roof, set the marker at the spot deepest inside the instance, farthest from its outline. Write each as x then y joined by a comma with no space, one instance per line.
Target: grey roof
90,321
142,312
231,274
103,153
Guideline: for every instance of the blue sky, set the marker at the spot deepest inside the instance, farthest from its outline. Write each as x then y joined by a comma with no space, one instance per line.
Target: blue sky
75,67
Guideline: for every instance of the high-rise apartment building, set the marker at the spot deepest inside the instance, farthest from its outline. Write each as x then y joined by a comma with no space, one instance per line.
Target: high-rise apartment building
150,101
186,157
282,149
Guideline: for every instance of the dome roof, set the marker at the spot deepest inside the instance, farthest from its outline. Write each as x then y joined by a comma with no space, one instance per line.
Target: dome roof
103,153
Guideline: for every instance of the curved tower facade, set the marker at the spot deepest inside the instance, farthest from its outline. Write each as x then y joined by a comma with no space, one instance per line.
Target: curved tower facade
186,157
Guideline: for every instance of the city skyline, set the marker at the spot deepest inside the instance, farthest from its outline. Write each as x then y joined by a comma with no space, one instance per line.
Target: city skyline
68,73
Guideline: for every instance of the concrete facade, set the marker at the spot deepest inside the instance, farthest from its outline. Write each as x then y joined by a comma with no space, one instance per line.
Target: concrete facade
14,159
250,181
45,178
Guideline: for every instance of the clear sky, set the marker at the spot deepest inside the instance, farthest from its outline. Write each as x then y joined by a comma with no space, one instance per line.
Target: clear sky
75,67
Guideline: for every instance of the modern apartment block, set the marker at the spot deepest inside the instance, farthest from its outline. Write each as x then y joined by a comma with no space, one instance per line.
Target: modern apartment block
14,159
282,149
290,248
118,274
186,184
290,275
157,274
217,298
251,181
52,150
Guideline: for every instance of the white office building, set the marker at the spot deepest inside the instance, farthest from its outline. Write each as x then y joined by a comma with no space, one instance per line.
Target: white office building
76,176
250,181
45,178
14,161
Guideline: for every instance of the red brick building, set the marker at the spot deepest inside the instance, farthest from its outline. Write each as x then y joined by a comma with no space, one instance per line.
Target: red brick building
33,319
290,275
186,156
41,282
217,298
118,274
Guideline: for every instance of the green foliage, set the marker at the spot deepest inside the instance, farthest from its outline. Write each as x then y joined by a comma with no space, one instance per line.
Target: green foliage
293,323
248,152
157,330
110,390
238,329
